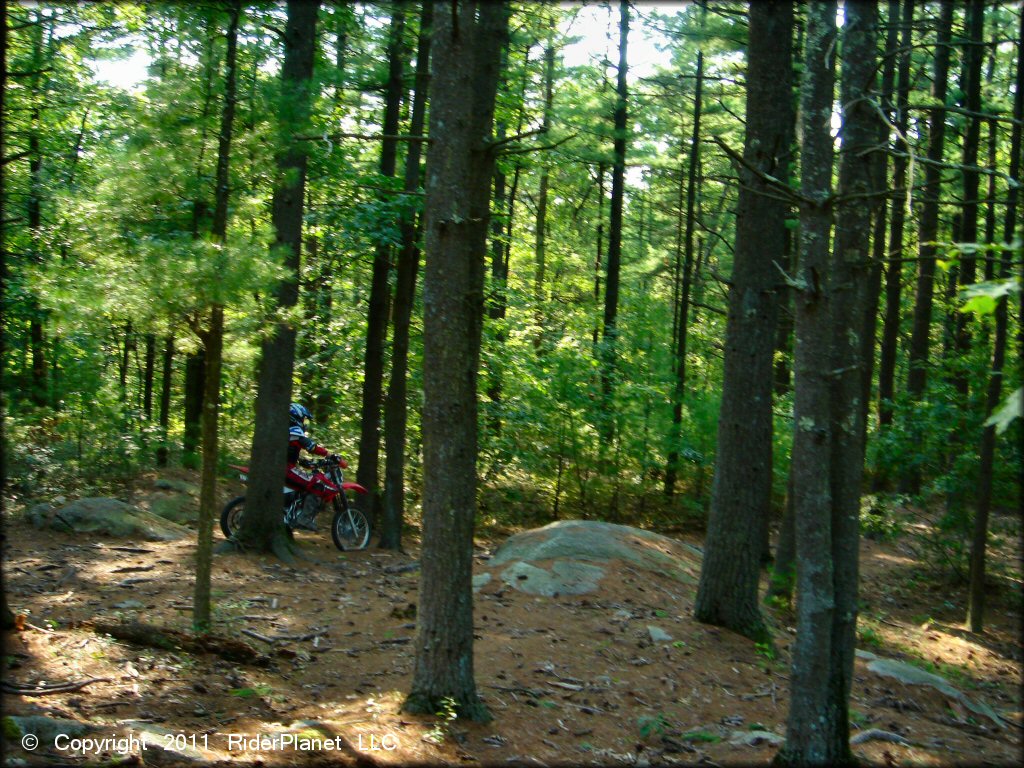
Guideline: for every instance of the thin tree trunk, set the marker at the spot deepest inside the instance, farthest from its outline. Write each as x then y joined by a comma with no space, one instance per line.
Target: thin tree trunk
147,378
498,301
467,44
367,473
541,222
213,339
195,375
609,338
682,310
166,381
396,404
737,536
928,232
599,248
878,244
807,740
976,599
6,615
973,58
37,340
262,528
894,267
850,275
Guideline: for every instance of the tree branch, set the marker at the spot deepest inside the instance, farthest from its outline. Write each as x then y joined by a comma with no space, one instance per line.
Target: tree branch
767,178
328,137
541,148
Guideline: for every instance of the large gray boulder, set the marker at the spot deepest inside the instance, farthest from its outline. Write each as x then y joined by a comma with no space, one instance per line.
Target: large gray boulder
908,674
106,517
567,557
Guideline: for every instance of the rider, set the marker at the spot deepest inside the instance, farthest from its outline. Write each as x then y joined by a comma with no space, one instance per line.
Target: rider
318,487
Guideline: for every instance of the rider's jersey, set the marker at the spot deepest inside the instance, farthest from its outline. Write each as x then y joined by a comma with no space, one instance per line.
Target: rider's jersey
297,441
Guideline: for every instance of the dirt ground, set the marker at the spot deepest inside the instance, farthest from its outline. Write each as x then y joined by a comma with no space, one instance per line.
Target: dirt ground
570,680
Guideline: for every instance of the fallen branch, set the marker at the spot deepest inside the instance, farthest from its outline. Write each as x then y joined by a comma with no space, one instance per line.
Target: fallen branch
150,636
48,688
876,734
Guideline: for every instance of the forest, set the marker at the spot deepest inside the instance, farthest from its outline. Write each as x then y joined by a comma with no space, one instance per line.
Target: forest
744,275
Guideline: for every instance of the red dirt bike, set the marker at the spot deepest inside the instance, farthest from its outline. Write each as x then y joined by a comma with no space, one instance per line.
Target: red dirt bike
349,526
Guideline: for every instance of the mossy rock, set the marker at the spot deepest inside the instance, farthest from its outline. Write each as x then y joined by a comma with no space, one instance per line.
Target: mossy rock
178,507
106,517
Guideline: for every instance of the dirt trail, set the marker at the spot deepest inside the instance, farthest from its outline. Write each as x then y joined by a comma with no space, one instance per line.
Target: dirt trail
570,680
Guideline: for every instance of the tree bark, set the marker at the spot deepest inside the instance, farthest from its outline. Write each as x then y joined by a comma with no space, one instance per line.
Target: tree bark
807,740
262,528
467,43
367,473
741,491
850,275
829,435
396,404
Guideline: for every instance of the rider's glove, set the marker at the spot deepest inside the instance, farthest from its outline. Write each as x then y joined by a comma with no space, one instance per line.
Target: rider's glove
340,461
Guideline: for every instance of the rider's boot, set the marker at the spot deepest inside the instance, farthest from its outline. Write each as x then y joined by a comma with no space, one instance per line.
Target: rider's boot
306,517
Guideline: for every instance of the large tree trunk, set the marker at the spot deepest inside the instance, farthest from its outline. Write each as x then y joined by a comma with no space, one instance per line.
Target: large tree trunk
396,407
468,39
828,447
741,493
262,528
367,473
212,337
976,604
609,337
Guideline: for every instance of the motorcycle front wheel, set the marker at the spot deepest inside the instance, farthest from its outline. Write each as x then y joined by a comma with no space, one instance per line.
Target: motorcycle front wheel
350,529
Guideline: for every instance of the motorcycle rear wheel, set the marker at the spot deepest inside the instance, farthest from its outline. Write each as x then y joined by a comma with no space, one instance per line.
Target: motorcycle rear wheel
349,528
231,518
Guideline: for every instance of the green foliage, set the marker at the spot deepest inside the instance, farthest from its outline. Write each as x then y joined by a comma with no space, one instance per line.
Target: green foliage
880,516
447,715
701,737
653,725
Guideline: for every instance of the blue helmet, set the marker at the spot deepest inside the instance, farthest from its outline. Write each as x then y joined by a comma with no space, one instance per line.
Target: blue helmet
298,414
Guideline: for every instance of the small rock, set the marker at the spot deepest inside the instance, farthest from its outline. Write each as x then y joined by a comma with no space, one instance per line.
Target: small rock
755,738
658,635
480,581
129,604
